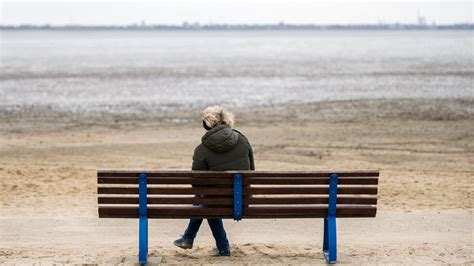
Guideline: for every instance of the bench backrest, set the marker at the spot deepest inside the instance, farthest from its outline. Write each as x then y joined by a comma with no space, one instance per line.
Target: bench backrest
266,194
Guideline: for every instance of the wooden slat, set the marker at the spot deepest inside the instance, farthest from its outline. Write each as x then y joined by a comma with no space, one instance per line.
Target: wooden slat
165,212
166,200
135,173
311,190
308,212
229,191
310,200
369,180
229,201
311,180
132,173
168,191
309,173
168,180
250,212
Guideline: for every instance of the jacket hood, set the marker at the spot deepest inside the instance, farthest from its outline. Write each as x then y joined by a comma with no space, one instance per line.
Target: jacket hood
220,138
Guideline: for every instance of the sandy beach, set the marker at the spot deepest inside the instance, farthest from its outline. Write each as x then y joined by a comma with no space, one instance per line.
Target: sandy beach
423,148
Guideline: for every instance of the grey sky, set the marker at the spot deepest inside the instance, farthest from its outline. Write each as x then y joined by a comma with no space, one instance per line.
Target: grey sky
107,12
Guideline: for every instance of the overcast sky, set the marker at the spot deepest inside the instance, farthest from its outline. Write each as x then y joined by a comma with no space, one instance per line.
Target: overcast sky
106,12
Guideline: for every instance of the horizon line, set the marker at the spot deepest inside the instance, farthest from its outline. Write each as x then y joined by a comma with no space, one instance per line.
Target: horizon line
241,26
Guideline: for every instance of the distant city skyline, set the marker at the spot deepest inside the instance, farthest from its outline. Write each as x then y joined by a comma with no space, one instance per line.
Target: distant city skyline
167,12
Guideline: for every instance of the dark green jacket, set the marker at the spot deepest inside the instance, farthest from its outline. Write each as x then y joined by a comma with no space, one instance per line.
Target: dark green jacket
223,148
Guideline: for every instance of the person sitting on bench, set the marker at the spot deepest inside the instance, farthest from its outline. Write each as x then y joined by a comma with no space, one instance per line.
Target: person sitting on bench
223,148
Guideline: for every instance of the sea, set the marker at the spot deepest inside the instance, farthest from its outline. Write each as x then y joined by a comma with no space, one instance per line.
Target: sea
159,71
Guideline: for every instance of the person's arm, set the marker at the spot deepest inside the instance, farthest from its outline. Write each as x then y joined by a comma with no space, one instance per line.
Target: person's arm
252,167
252,163
199,163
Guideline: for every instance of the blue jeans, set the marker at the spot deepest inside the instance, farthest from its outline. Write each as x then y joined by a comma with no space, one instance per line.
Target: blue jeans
217,228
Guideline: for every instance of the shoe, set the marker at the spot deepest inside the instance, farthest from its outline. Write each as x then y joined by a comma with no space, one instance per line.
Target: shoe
223,253
184,243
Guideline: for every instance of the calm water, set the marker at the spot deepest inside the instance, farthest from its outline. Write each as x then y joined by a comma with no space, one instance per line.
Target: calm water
121,71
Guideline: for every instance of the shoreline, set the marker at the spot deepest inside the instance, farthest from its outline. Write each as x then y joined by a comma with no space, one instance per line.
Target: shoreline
47,119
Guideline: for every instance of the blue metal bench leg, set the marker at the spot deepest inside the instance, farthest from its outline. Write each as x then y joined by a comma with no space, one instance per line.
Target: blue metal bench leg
143,241
330,232
325,239
143,220
330,239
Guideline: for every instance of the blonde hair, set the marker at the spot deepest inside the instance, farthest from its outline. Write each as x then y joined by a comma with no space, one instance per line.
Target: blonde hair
214,115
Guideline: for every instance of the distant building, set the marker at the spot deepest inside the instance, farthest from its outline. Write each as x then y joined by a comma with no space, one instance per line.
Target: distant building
421,19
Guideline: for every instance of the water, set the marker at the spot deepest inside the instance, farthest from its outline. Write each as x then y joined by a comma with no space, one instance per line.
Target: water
142,71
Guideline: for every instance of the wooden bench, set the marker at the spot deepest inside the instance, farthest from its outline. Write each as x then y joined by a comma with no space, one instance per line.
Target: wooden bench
172,195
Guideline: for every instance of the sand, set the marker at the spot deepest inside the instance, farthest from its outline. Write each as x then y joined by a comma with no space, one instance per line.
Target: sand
424,150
